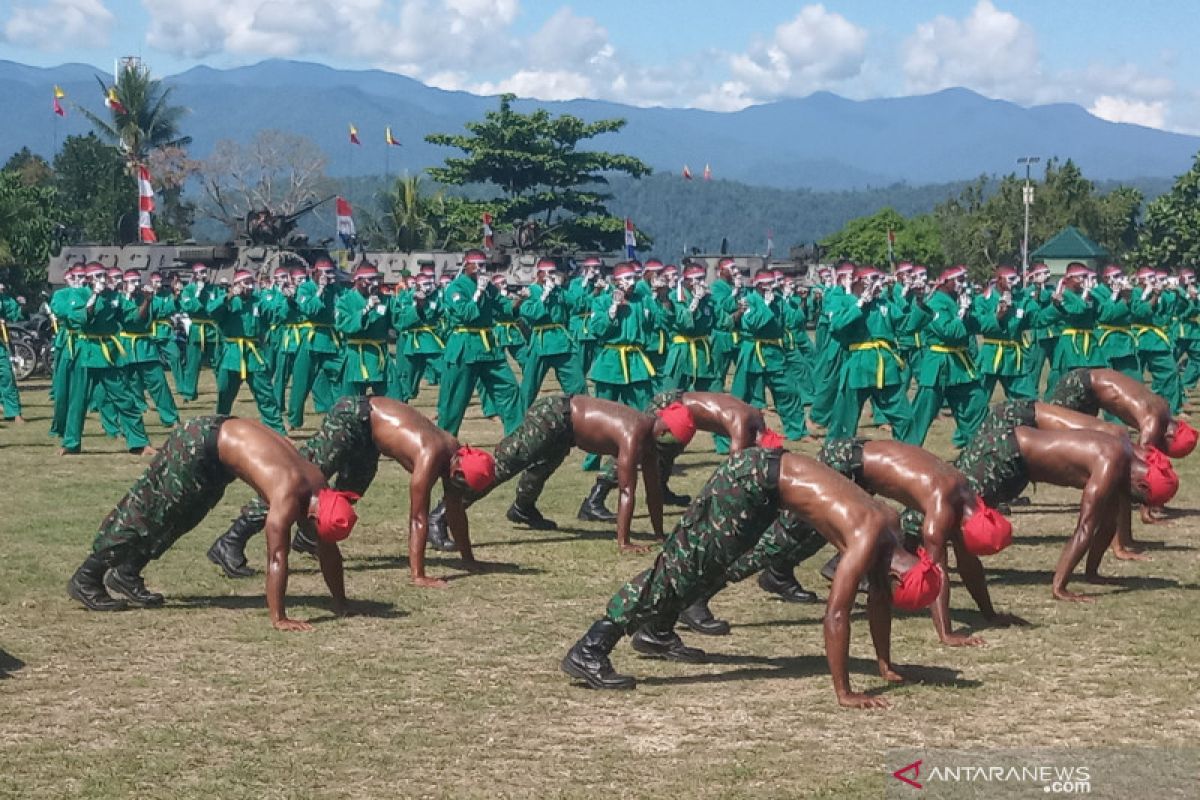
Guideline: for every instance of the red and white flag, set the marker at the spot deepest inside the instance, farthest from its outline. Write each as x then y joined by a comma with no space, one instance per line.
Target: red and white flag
707,173
59,94
488,239
354,134
145,206
345,220
687,173
630,240
110,100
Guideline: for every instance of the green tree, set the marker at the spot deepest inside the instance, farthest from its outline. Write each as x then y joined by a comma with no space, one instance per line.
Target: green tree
94,194
32,168
147,119
409,217
865,240
27,220
1170,234
534,160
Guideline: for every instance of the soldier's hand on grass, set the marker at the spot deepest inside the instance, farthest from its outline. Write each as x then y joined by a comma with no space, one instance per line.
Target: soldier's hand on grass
286,624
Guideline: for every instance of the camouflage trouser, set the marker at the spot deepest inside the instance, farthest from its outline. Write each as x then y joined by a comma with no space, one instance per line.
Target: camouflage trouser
991,461
182,484
844,456
1074,391
725,521
536,448
787,543
342,446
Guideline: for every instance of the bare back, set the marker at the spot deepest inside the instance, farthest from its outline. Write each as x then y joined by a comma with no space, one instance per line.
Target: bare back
267,462
609,429
716,412
1073,458
402,433
911,476
834,505
1133,403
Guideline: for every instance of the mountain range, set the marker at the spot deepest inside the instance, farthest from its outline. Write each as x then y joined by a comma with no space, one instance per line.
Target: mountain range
820,142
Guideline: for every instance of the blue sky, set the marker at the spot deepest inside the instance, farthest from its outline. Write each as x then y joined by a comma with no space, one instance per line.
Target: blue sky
1104,55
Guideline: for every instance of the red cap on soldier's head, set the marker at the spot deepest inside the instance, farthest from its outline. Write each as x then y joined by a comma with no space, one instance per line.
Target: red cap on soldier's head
844,268
693,271
114,272
93,269
1182,440
1077,270
903,267
335,514
865,271
1005,271
950,273
156,274
279,272
76,269
427,269
764,277
243,275
1038,269
624,271
679,421
546,265
366,270
198,267
769,440
727,263
593,261
478,468
920,586
1111,269
475,257
132,275
298,272
987,532
670,270
499,278
1162,482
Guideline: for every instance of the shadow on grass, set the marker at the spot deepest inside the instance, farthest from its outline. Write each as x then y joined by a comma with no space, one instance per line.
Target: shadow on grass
1124,583
358,608
9,664
751,667
366,563
1046,508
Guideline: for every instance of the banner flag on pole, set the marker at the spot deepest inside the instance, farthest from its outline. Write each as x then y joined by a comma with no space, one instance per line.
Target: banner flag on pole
687,173
488,239
59,94
145,206
110,100
345,221
354,134
707,172
392,140
630,240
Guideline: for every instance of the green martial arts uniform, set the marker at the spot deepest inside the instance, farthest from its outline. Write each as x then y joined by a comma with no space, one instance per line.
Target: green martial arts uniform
762,364
580,294
547,312
239,319
285,315
797,348
1156,352
1001,350
658,342
365,333
1041,340
417,342
507,331
142,358
724,338
98,373
472,357
163,309
319,354
183,483
872,368
947,373
1189,340
204,341
827,361
1115,337
10,397
689,365
66,343
1078,344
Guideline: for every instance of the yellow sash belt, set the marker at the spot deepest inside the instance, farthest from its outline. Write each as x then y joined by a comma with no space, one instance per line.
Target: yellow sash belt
691,342
959,352
880,346
1157,331
360,344
758,343
1000,345
242,343
1075,333
624,350
4,332
103,342
1109,330
203,325
484,333
425,329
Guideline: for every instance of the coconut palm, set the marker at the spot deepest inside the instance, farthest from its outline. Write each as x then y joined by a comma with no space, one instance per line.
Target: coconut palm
147,121
410,218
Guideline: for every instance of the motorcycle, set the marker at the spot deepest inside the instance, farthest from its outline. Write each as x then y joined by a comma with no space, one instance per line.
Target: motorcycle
31,344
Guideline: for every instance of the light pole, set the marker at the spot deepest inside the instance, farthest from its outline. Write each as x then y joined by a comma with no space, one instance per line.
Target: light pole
1027,199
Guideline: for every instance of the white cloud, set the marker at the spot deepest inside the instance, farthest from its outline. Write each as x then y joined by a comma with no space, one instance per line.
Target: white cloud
59,25
1119,109
541,84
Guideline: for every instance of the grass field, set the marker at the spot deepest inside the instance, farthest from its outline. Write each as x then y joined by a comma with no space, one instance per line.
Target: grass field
457,694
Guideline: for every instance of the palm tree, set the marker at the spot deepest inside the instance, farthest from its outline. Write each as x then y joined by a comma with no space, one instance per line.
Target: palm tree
412,220
147,121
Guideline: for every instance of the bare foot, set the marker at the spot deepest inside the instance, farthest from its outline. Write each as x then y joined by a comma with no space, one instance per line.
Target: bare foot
1072,597
958,640
890,675
856,700
1130,555
286,624
18,420
633,549
63,451
429,583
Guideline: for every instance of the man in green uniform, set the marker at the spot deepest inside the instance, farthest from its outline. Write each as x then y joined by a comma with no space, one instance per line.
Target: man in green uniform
725,291
97,368
1074,310
947,373
1114,322
797,347
362,318
416,316
237,314
66,342
472,356
203,338
739,502
872,368
689,365
1153,308
829,353
141,359
656,344
288,320
163,309
547,312
10,397
508,334
1002,314
270,298
1042,337
580,294
185,481
319,354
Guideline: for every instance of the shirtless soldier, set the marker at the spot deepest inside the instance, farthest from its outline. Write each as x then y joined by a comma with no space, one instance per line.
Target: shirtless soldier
739,503
186,479
556,423
355,433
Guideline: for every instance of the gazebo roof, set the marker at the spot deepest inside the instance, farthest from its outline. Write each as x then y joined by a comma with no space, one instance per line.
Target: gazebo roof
1069,243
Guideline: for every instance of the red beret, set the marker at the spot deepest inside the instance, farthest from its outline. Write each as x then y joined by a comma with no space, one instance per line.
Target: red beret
920,586
478,467
1181,441
335,515
987,531
679,421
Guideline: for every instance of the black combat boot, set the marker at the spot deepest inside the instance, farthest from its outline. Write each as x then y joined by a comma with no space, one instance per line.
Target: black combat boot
302,544
229,551
665,644
126,579
87,586
783,584
672,499
435,530
588,659
530,517
830,569
699,618
592,509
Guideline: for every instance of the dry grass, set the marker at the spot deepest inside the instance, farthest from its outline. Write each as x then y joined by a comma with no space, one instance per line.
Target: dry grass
457,693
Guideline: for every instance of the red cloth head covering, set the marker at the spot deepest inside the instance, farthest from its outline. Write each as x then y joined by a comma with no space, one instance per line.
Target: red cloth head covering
763,277
366,270
624,271
114,272
1076,270
653,265
951,273
132,275
1005,271
987,532
475,257
670,270
694,271
499,278
903,267
593,261
199,266
243,275
1112,269
770,440
1183,441
335,514
546,265
478,467
679,421
1161,480
920,586
299,272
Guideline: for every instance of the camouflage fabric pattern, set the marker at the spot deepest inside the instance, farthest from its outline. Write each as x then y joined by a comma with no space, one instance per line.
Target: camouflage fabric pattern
1074,391
536,448
843,455
991,461
182,484
342,446
727,518
788,542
